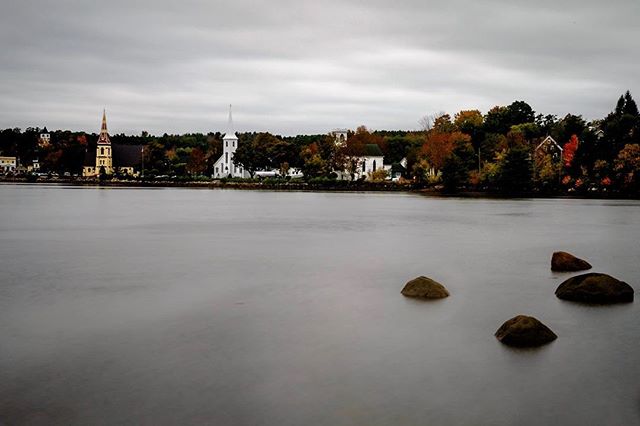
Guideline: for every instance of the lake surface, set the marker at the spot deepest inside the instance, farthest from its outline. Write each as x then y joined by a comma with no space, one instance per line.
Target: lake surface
190,306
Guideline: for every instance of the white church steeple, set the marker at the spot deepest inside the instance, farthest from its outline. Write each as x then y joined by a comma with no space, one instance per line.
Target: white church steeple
231,134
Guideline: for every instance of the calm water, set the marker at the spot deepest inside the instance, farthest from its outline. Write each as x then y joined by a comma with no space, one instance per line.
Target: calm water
181,306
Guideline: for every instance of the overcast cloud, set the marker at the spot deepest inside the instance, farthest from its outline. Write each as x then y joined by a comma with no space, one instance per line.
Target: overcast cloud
307,66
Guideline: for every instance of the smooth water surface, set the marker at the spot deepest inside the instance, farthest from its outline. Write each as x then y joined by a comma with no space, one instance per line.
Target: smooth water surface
188,306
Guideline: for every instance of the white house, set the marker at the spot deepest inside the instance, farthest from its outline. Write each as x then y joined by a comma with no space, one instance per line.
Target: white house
369,160
224,166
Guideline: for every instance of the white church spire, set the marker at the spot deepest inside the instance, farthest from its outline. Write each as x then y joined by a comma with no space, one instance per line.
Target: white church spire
231,134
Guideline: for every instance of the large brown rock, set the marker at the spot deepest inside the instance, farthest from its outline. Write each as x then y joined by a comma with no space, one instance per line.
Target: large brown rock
562,261
595,288
425,288
524,331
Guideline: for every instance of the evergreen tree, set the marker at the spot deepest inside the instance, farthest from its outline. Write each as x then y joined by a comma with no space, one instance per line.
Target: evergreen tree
516,170
456,168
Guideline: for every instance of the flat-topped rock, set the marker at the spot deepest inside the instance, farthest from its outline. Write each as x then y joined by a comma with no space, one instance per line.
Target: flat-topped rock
561,261
525,331
595,288
425,288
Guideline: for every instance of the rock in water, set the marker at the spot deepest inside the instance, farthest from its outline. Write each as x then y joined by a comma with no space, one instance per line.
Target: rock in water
562,261
595,288
425,288
524,331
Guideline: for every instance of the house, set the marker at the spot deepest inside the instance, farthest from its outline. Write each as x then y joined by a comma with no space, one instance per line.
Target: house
365,162
372,159
44,140
397,170
549,146
224,166
108,159
8,164
340,136
34,167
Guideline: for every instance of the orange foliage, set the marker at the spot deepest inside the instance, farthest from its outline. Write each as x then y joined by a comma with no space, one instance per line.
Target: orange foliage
440,145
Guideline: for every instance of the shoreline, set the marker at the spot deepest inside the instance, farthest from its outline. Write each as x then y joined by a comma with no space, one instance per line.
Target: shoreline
337,186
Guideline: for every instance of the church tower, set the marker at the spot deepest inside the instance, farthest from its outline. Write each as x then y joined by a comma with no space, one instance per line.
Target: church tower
229,146
104,157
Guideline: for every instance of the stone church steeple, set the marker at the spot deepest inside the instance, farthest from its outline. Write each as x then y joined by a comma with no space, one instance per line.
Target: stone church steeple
104,155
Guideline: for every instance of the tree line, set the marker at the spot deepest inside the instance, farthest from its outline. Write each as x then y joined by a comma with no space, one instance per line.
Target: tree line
495,151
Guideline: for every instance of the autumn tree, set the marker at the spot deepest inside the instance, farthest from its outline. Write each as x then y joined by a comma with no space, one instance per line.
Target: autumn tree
569,151
471,122
251,154
197,163
439,146
627,167
313,164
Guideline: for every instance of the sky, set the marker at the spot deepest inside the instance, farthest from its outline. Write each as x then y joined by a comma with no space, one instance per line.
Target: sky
306,67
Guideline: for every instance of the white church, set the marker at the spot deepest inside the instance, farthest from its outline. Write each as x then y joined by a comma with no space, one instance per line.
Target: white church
224,166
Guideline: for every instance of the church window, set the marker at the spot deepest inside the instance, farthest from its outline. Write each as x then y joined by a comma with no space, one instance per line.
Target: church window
364,164
226,157
233,144
374,165
227,143
101,151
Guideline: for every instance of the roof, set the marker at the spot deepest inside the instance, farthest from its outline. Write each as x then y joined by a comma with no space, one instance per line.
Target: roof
123,156
549,140
398,168
127,155
372,150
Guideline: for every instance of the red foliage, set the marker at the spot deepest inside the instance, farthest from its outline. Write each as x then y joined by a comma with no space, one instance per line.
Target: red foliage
570,149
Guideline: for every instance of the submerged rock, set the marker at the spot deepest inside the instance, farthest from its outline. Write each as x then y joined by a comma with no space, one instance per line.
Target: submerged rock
595,288
524,331
562,261
425,288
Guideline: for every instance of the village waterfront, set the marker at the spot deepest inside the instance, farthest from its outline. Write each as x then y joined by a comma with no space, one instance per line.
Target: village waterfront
182,306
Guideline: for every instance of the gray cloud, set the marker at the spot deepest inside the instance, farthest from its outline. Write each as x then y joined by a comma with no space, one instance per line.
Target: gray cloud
305,67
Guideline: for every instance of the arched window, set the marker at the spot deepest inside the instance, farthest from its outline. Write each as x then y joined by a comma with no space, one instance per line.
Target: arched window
364,165
374,165
227,143
101,151
226,157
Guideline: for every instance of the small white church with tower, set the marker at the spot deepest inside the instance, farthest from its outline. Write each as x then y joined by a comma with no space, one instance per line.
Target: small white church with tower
224,166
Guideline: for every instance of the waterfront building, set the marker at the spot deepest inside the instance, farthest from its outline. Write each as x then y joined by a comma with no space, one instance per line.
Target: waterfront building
364,163
224,166
7,164
108,159
549,146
